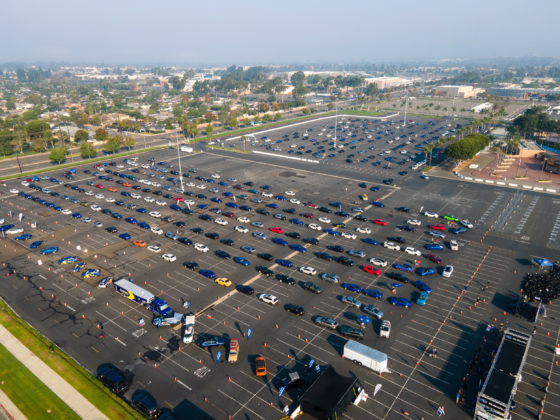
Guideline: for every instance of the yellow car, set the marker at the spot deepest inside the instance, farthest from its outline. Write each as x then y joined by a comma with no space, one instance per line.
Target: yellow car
222,281
364,197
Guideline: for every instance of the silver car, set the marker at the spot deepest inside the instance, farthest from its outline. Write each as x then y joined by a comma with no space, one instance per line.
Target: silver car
325,322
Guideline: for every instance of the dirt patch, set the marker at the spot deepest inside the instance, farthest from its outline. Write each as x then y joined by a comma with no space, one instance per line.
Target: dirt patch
288,174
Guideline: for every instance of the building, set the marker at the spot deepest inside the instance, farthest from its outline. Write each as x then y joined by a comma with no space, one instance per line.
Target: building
386,82
482,107
458,91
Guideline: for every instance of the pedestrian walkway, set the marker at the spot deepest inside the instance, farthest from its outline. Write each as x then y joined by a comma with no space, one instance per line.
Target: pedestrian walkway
50,378
8,410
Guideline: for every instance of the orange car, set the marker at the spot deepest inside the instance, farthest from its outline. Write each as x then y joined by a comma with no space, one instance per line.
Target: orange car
260,366
112,189
140,243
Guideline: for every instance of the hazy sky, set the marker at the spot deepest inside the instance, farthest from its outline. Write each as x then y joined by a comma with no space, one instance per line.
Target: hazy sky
282,31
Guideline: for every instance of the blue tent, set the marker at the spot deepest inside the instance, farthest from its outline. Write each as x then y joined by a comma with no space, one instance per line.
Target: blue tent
543,262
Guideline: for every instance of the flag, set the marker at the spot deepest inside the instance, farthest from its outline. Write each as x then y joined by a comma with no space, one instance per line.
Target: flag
249,331
281,391
218,355
377,388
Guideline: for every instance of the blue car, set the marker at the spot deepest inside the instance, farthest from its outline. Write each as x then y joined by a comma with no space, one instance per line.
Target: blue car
352,287
298,247
231,204
422,286
370,241
23,237
243,261
285,263
281,198
421,271
130,220
402,302
378,203
272,205
332,232
49,250
280,241
125,236
422,299
433,247
68,260
76,215
142,210
208,273
36,244
373,293
202,206
296,221
227,194
458,230
175,207
216,200
404,267
376,188
144,225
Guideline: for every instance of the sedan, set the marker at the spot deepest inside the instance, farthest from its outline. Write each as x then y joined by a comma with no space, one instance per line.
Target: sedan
402,302
458,230
447,271
222,281
259,235
363,230
412,251
325,322
370,241
49,250
371,269
268,298
434,258
295,309
422,286
373,311
378,261
352,287
248,290
248,248
437,227
308,270
36,244
379,222
357,253
285,263
422,271
169,257
433,247
154,248
404,267
348,235
208,273
356,333
276,229
436,234
391,245
414,222
280,241
23,237
314,226
312,287
241,229
284,278
298,247
451,218
201,247
222,254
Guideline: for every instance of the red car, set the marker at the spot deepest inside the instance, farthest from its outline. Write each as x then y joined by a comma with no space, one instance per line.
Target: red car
307,215
99,186
371,269
310,204
379,222
228,214
238,187
276,230
433,258
436,227
179,199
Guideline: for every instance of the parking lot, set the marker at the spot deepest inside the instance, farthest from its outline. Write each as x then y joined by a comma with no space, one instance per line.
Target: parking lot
96,325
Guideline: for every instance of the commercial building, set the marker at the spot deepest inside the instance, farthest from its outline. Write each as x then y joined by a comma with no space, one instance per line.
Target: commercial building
482,107
458,91
386,82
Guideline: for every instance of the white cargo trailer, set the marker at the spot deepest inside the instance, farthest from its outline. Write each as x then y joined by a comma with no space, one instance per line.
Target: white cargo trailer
365,356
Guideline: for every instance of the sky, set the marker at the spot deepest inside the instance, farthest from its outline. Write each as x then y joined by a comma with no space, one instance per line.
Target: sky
250,32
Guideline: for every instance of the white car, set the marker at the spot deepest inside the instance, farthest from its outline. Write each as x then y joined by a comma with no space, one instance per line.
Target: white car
266,194
25,183
243,219
157,230
148,199
155,214
308,270
190,184
348,235
295,201
135,195
290,193
66,211
110,200
99,196
215,176
161,203
89,193
380,262
412,251
86,219
220,221
153,248
201,247
169,257
314,226
201,186
95,207
241,229
98,224
324,219
391,245
363,230
467,224
447,271
14,231
431,214
454,245
156,184
413,222
14,190
268,298
189,203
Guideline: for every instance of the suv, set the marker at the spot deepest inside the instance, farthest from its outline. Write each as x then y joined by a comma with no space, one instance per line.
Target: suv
385,329
145,403
112,378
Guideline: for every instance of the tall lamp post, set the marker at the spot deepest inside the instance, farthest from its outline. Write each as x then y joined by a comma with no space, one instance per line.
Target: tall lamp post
179,159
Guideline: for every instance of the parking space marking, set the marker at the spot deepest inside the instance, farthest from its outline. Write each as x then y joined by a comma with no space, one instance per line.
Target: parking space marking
555,229
499,197
526,215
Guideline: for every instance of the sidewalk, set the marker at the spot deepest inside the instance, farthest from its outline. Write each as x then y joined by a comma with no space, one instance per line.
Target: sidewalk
8,410
50,378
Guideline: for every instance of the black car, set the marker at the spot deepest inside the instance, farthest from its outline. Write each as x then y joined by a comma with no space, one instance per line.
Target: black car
111,229
146,190
264,270
293,380
362,185
248,290
345,261
397,239
106,211
312,287
190,265
388,181
166,219
263,212
398,276
184,240
335,248
116,215
351,332
222,254
403,209
324,209
179,223
112,378
265,256
289,211
228,242
119,203
312,241
324,256
406,228
212,235
145,403
204,217
284,278
197,230
295,309
360,218
342,213
294,235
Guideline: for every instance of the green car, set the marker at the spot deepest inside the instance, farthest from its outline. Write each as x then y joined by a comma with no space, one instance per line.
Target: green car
450,217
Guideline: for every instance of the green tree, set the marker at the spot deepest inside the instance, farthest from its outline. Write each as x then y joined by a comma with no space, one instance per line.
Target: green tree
101,134
192,130
330,106
233,123
209,130
87,150
112,145
81,135
127,141
305,111
277,116
58,154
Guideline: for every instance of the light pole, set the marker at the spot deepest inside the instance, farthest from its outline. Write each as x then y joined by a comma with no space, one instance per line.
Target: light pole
179,158
335,120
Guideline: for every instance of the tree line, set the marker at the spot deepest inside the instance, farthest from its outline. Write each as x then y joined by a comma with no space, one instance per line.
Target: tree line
467,147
